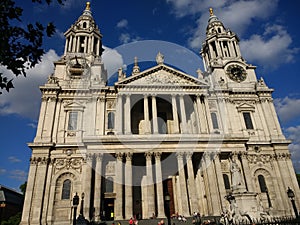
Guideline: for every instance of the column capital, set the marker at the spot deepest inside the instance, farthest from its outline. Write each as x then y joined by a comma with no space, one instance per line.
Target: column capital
119,156
148,155
179,155
98,156
157,155
188,155
128,156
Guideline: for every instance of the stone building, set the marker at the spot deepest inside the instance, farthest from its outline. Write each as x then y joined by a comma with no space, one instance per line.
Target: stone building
203,140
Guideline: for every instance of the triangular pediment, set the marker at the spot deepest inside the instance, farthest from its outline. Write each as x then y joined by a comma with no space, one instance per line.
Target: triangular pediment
245,107
73,106
161,75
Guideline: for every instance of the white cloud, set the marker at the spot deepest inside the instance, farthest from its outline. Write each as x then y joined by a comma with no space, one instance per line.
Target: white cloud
122,23
236,15
13,159
270,49
125,38
112,60
24,99
287,109
2,171
293,133
19,175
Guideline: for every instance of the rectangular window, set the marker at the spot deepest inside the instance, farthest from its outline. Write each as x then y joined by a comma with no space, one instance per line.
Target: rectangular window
72,124
214,120
248,121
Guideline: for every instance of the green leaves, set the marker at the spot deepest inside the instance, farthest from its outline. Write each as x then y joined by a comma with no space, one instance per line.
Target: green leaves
20,47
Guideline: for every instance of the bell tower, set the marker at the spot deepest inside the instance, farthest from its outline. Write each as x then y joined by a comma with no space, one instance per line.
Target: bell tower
222,57
221,44
82,62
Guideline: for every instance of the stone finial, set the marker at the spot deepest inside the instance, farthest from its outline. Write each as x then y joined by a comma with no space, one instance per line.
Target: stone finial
136,68
211,11
199,73
88,6
160,58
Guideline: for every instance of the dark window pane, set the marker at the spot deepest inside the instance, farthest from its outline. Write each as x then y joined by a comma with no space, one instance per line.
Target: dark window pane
262,183
66,190
72,124
214,121
248,121
226,181
111,120
109,185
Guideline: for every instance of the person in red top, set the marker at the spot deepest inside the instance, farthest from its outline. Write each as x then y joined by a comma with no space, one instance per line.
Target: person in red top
131,221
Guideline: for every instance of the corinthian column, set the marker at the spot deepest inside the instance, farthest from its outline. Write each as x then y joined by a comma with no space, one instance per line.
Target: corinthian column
150,185
154,115
159,186
182,182
175,115
87,184
128,116
118,187
97,195
191,183
146,115
183,115
128,186
119,114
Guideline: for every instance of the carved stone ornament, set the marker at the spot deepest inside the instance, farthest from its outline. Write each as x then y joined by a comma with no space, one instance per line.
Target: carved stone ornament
162,77
74,163
259,158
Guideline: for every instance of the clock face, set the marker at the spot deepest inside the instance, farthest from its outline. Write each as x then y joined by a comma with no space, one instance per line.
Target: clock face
236,73
77,66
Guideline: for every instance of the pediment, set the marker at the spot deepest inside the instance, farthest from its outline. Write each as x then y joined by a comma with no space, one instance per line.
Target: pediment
161,75
73,106
245,107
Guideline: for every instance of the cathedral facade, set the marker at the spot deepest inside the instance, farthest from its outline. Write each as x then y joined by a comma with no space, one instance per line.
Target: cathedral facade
210,144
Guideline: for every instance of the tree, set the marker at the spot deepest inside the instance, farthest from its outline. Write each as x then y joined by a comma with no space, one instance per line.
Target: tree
20,47
23,187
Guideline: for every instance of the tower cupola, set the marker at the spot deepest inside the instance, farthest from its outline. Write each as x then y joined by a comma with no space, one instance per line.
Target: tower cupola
221,45
84,35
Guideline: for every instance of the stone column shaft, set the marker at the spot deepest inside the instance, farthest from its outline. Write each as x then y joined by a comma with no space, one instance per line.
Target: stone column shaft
87,185
182,182
154,115
128,187
97,191
175,115
202,119
150,185
118,187
183,115
119,114
128,115
159,186
191,183
146,115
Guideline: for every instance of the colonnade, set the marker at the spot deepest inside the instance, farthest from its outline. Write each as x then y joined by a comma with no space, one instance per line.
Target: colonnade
180,106
185,186
83,44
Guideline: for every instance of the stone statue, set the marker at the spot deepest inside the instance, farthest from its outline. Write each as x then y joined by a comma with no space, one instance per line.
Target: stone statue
236,176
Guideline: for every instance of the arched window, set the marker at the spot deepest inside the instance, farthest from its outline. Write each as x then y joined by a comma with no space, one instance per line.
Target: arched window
226,181
111,120
214,120
262,184
109,184
84,25
66,189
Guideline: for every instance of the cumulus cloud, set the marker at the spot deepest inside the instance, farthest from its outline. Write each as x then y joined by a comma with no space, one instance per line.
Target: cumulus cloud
270,49
24,99
293,133
19,175
13,159
112,60
122,23
287,108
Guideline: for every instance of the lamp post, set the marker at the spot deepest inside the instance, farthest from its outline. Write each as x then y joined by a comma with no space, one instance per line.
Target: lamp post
167,203
291,196
75,204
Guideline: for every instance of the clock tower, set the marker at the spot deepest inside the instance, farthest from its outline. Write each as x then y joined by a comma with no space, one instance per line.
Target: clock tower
222,57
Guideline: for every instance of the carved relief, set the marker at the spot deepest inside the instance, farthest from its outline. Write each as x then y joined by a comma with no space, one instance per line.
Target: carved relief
259,158
162,77
73,163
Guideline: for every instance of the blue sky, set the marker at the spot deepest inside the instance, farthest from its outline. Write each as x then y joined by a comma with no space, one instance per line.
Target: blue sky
269,38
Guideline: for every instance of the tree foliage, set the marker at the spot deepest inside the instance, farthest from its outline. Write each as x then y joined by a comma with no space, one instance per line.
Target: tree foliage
20,46
13,220
23,187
